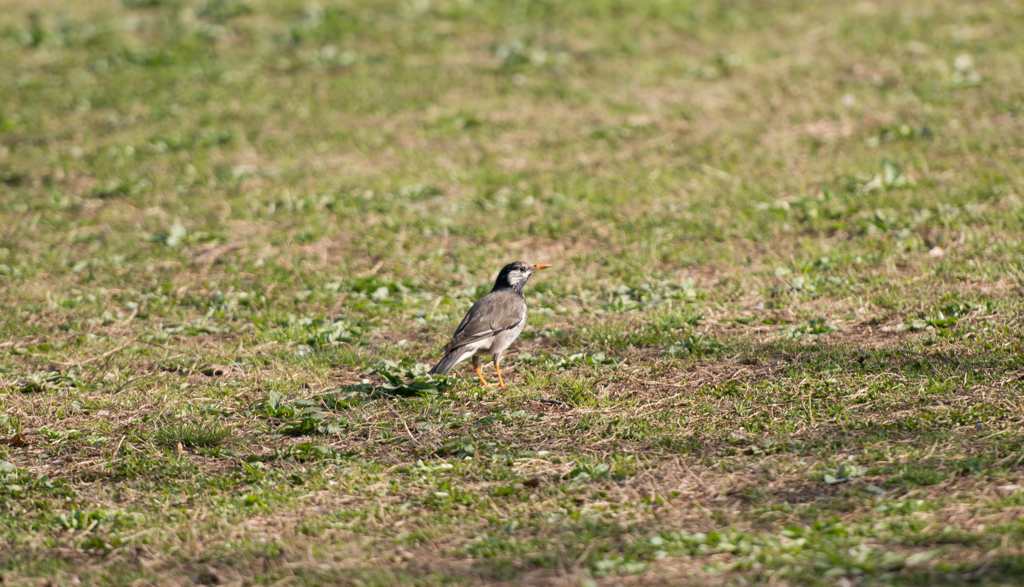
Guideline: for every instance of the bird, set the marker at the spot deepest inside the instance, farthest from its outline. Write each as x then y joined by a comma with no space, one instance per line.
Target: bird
492,323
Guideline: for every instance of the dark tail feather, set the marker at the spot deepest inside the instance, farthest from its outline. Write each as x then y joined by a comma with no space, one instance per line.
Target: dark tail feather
445,365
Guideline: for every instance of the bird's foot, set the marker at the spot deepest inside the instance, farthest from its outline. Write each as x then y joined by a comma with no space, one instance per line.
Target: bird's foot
480,375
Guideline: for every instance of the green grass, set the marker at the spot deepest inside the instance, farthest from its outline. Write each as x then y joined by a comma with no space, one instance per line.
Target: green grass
191,434
780,341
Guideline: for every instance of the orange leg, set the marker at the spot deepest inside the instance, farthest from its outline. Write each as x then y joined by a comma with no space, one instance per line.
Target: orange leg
483,382
501,384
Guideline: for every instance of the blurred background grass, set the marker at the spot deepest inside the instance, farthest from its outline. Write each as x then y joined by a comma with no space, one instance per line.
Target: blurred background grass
621,141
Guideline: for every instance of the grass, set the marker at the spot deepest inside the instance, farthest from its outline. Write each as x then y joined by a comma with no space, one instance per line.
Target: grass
191,434
780,342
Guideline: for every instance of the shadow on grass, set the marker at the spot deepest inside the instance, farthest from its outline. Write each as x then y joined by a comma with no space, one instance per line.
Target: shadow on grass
1002,570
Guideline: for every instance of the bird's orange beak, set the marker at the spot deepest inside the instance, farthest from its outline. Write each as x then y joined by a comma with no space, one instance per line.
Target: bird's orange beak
540,266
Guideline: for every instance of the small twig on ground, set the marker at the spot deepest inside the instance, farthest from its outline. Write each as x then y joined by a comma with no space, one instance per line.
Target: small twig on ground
694,475
119,443
110,353
372,271
210,256
100,357
545,400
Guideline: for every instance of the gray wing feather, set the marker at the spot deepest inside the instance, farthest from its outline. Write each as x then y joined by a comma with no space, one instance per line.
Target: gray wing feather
490,315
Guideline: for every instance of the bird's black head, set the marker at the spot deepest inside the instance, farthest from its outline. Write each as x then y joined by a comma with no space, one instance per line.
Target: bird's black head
515,275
